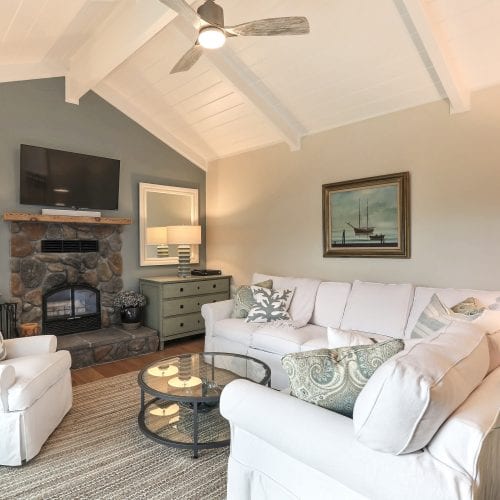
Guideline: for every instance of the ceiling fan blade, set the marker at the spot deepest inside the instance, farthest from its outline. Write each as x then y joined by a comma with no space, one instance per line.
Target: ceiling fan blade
188,60
272,27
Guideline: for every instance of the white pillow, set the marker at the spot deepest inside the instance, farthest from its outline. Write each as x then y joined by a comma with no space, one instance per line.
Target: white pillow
347,338
3,348
304,297
408,398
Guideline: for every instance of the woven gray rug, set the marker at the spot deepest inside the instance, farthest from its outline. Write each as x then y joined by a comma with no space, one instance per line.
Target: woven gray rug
98,452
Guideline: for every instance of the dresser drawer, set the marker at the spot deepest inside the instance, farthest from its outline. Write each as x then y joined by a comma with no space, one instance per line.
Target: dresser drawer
172,290
212,286
182,324
186,305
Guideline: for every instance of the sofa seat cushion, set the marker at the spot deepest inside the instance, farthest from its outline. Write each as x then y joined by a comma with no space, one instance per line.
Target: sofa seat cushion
315,343
34,376
283,339
235,329
411,395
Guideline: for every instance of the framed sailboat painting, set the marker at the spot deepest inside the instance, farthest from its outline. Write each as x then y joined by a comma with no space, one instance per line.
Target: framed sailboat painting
367,217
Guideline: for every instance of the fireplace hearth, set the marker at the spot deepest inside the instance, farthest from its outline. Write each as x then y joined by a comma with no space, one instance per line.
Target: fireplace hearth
71,309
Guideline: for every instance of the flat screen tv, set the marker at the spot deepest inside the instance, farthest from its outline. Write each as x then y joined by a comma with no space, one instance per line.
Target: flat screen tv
56,178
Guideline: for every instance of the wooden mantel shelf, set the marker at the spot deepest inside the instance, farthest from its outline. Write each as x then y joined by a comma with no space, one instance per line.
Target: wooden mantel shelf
64,219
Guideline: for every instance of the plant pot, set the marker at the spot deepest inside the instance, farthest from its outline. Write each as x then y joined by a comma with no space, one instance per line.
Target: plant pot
131,317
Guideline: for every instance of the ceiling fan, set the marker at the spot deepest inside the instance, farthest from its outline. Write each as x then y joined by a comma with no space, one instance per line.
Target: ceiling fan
212,33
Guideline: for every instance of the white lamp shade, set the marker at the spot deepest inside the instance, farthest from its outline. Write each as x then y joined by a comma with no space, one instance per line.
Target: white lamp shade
184,235
156,235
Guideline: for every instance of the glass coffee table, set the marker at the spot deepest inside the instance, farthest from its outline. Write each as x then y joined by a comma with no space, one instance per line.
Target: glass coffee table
184,409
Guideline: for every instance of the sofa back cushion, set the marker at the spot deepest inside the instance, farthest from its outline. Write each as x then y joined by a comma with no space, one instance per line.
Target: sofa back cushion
331,300
488,320
450,297
302,305
378,308
410,396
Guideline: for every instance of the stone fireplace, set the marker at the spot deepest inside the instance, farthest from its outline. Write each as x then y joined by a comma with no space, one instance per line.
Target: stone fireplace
48,256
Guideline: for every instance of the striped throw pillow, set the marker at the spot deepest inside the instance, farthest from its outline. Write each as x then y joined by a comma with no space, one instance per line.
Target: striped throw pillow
434,317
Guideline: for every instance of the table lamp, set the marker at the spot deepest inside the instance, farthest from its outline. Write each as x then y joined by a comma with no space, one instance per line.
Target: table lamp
184,237
158,236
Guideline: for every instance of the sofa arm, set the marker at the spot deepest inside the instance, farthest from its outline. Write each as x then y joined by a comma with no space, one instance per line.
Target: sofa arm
477,423
213,312
27,346
7,378
287,423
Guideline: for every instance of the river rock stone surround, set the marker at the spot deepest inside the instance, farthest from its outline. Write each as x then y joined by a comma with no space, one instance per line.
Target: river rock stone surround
34,272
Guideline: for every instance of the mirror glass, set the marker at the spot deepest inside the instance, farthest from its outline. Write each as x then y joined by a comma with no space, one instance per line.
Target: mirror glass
161,206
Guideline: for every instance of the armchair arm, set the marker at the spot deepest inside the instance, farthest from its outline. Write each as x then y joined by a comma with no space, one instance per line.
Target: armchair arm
213,312
26,346
7,377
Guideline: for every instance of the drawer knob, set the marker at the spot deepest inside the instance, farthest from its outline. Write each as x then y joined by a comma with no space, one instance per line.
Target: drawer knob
198,321
198,303
182,289
182,306
197,287
214,286
182,324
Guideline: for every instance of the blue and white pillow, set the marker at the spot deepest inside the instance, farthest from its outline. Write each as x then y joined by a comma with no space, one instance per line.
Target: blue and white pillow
271,305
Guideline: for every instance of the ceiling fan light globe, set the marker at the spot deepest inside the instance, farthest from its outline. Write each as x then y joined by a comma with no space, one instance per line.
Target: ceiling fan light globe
211,37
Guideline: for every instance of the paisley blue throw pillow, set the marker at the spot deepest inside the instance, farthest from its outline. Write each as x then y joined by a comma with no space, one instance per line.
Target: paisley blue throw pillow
333,378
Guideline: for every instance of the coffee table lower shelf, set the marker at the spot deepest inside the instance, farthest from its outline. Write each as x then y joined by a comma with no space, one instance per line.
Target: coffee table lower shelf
194,408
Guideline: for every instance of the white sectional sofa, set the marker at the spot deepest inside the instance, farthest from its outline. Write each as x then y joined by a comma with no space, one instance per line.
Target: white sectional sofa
284,448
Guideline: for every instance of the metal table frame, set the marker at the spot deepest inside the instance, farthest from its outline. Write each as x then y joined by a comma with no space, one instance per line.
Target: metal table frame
196,402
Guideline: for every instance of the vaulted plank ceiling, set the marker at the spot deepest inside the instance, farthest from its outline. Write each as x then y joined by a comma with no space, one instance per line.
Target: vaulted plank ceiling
361,59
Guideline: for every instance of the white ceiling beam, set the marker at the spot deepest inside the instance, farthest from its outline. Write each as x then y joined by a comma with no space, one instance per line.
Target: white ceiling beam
243,81
30,71
129,27
183,9
440,55
135,113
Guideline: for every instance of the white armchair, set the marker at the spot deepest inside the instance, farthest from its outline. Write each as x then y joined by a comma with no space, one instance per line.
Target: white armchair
35,394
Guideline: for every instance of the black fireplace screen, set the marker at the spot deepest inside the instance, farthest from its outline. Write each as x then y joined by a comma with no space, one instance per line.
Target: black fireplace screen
71,309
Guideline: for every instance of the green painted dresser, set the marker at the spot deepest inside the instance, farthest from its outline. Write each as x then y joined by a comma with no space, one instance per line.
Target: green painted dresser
174,303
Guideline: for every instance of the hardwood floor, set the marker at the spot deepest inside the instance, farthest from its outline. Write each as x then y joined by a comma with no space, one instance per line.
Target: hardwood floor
97,372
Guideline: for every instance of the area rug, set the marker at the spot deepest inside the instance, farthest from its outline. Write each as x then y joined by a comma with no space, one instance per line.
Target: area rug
98,452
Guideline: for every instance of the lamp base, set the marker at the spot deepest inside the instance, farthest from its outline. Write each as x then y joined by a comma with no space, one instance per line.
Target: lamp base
184,255
162,251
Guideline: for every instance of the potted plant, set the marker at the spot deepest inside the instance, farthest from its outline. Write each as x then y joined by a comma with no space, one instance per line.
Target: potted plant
130,304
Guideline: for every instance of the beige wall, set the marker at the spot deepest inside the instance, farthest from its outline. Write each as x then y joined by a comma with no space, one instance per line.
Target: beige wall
264,207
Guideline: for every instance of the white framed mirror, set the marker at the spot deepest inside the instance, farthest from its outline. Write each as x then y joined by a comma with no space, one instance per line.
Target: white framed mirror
161,206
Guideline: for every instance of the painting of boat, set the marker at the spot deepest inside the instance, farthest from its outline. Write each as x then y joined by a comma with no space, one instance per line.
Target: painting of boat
367,217
377,237
362,230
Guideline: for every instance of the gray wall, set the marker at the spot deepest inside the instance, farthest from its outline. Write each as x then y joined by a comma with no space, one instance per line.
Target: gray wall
264,208
34,112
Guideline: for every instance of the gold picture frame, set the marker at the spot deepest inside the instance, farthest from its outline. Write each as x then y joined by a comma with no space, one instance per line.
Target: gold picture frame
367,217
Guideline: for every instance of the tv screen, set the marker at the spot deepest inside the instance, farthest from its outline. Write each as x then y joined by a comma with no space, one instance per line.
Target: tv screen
62,179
